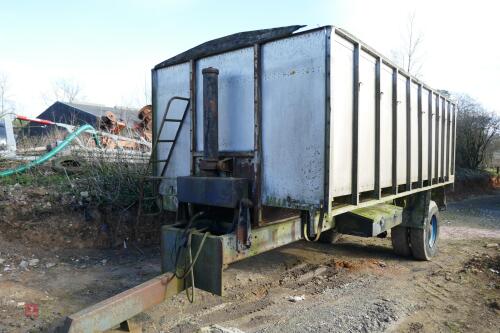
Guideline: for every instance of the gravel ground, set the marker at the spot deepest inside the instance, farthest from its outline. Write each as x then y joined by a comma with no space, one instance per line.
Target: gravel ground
356,285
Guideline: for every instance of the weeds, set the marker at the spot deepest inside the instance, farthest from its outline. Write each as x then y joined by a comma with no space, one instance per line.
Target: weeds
115,184
102,185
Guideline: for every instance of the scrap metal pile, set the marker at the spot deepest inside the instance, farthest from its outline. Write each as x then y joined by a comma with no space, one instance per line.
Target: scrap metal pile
112,140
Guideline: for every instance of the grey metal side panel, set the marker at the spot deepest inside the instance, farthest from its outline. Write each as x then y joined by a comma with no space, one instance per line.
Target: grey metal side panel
425,133
293,118
366,132
173,81
236,99
386,127
414,131
401,149
341,116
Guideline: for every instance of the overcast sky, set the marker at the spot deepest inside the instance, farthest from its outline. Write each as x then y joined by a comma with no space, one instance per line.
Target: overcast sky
109,47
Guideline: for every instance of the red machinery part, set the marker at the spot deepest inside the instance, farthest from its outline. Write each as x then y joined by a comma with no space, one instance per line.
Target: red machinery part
36,120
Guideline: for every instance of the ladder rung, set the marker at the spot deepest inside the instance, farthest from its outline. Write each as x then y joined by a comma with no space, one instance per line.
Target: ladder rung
173,120
165,141
150,198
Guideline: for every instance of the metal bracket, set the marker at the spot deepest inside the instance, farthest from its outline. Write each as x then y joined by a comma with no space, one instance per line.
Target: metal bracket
243,228
369,221
439,196
416,210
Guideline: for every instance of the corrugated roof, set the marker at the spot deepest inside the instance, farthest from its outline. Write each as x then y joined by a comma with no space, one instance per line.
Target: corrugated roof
231,42
126,115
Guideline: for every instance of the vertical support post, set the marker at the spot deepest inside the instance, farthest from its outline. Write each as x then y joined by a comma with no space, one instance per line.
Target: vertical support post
210,114
355,127
448,138
395,131
377,186
443,126
154,111
408,133
257,90
326,188
453,138
192,96
420,139
436,155
429,142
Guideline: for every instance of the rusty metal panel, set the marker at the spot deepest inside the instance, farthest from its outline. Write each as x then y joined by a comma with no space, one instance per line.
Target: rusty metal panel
293,120
169,82
369,221
386,127
212,191
236,99
266,238
341,116
366,130
208,267
414,131
401,130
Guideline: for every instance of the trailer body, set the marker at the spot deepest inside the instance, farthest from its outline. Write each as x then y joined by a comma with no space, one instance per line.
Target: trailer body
316,119
312,125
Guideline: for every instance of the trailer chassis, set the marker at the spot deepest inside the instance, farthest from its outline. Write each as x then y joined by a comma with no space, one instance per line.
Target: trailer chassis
221,250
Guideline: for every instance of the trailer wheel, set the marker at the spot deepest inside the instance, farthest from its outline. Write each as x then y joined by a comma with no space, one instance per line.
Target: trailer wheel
329,236
400,238
424,241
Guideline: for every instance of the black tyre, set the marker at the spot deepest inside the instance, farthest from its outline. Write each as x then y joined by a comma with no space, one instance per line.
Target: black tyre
424,242
400,238
69,165
329,236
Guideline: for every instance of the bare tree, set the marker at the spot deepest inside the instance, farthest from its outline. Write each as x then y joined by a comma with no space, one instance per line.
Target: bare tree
6,105
476,129
408,55
66,90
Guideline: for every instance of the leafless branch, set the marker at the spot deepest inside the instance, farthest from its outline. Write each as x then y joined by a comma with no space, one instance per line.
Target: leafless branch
408,54
64,90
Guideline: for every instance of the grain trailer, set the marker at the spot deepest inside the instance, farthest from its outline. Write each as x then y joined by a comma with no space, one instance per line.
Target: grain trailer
267,137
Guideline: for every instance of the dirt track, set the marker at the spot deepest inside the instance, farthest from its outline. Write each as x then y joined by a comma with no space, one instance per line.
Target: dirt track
356,285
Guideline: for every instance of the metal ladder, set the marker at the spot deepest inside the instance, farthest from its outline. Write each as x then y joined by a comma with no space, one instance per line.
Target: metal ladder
153,161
